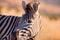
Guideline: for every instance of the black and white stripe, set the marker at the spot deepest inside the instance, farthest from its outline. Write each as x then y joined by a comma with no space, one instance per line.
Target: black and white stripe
7,25
24,30
21,26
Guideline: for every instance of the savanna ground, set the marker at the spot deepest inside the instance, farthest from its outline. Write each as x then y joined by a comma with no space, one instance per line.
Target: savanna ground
50,28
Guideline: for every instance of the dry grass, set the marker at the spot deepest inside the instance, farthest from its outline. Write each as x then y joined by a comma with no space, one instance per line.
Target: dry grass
50,29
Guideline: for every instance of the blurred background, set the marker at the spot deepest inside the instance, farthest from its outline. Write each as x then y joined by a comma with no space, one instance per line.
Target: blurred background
49,11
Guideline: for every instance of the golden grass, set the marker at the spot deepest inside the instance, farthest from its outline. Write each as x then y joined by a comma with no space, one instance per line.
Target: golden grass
50,29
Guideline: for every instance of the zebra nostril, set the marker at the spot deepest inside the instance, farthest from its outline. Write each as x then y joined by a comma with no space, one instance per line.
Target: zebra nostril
23,31
22,35
30,39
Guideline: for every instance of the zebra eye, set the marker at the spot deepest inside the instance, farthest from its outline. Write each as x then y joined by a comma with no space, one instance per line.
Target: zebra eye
30,39
29,21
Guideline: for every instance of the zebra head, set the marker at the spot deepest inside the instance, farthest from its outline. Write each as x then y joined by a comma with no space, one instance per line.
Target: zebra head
30,8
26,32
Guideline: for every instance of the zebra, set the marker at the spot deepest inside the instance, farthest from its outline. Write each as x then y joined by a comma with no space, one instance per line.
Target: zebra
7,25
10,25
27,22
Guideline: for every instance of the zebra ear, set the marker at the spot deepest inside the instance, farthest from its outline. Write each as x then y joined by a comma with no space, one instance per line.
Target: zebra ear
35,6
23,5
